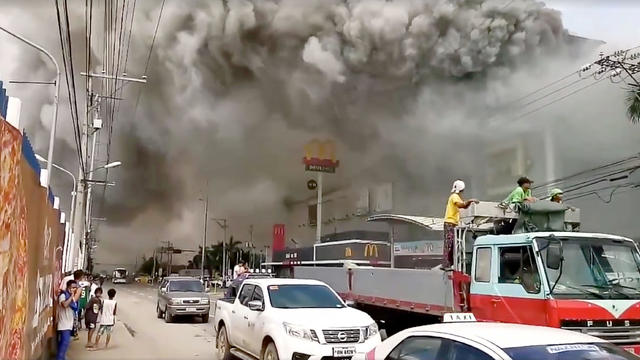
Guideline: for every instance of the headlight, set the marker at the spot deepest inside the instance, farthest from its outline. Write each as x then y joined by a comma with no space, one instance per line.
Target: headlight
174,301
370,331
300,332
204,300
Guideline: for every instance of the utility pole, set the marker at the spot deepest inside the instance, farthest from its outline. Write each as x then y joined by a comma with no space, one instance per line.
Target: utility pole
153,272
251,245
223,224
318,213
204,238
170,255
83,226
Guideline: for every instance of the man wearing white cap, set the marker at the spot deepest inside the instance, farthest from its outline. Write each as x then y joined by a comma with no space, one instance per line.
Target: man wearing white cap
452,219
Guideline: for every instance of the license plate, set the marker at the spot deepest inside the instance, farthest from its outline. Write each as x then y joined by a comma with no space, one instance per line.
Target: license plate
191,309
344,351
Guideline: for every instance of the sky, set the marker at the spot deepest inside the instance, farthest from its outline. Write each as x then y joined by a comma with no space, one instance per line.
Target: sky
613,21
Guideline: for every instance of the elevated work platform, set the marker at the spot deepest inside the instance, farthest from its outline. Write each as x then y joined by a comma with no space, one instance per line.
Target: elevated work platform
487,212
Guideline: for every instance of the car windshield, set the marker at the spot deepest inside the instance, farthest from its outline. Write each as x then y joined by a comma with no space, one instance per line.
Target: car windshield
186,286
600,351
596,268
303,297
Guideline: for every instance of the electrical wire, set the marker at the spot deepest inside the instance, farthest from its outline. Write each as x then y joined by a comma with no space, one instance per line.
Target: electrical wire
556,100
584,172
146,67
65,48
153,41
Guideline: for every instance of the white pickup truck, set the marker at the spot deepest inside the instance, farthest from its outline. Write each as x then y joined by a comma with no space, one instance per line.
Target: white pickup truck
291,319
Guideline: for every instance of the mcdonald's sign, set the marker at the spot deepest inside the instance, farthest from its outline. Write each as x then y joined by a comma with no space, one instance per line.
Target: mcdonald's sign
371,250
347,252
320,156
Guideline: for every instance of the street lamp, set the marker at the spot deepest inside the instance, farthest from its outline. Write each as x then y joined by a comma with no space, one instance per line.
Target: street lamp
108,166
54,123
73,208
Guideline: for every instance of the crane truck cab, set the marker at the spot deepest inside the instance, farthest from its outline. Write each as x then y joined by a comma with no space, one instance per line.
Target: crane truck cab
578,281
551,276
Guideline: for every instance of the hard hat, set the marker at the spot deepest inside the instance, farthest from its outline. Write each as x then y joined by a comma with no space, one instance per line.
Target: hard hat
458,186
555,192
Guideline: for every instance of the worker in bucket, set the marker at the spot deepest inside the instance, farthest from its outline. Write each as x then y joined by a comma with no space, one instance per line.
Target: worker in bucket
522,193
555,195
452,219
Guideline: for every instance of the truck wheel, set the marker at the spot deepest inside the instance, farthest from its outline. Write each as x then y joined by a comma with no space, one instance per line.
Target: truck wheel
168,317
270,352
159,312
222,344
205,318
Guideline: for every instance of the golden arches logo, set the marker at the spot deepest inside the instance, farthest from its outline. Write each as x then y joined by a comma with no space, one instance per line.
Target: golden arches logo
324,150
347,252
371,250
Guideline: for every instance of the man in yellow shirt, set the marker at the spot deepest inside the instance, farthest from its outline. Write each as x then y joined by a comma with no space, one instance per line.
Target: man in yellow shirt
452,219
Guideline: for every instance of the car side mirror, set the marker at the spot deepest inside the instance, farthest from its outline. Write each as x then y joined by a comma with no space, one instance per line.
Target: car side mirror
255,305
164,289
554,255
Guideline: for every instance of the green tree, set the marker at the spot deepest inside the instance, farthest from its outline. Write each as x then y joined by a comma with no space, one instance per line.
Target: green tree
633,104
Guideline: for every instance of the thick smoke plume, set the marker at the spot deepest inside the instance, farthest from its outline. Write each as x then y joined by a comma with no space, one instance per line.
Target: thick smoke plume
237,87
241,85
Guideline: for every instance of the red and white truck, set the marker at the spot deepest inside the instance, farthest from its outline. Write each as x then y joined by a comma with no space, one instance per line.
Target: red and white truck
585,282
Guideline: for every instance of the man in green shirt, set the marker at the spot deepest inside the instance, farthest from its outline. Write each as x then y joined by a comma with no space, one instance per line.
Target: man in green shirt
84,299
522,193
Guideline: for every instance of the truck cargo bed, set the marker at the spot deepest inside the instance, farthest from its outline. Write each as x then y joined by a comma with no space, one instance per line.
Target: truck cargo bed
423,291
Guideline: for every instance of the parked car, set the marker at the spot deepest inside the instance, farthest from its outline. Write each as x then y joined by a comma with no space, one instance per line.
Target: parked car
290,319
181,296
493,341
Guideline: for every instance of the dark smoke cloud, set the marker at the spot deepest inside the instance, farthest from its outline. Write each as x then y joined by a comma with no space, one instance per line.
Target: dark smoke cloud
240,83
237,87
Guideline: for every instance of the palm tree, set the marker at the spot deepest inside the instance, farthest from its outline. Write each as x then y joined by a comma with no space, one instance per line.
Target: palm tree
633,104
233,250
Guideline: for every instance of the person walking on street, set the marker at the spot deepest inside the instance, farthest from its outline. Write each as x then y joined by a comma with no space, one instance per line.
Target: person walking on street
236,270
77,276
85,288
107,319
232,290
452,219
92,312
67,308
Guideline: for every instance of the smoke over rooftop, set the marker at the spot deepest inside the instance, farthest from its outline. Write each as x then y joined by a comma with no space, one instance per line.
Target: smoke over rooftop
237,87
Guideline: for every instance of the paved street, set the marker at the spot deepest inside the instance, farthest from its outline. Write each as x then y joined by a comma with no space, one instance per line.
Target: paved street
139,334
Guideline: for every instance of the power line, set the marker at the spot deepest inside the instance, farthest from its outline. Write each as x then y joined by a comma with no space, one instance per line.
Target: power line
153,41
74,118
584,172
556,100
146,67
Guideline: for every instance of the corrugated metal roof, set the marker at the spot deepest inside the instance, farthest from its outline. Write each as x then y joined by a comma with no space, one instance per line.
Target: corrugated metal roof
430,223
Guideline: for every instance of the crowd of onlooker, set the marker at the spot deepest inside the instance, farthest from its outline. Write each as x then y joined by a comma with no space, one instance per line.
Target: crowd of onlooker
81,298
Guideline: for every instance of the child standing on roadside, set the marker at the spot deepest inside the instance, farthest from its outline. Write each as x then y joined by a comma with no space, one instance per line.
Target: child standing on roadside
107,318
92,312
